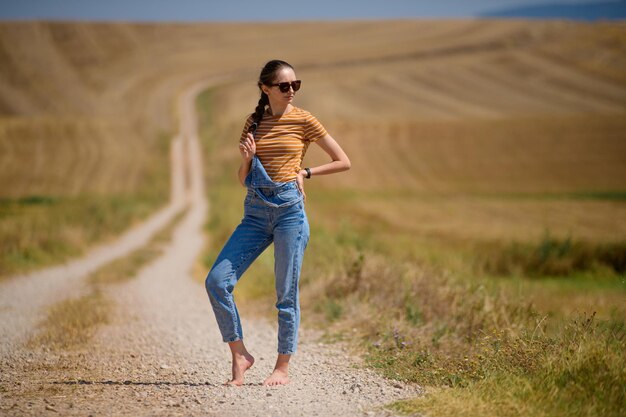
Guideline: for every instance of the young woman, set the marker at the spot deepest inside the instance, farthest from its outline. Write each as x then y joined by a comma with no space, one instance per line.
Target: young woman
272,146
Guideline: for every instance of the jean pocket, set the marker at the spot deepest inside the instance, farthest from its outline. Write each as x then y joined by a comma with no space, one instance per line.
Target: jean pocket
291,194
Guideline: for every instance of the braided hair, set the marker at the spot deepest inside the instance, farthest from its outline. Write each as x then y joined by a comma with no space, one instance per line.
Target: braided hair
268,74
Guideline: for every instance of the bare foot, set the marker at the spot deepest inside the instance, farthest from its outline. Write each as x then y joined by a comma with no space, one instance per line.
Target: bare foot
278,377
241,363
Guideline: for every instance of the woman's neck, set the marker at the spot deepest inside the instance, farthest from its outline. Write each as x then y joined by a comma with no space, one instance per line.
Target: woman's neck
277,110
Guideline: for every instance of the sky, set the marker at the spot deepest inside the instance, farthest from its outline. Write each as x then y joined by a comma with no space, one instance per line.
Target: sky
254,10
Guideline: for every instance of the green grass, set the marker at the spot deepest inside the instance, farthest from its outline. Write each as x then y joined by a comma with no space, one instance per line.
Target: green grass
38,231
581,372
554,257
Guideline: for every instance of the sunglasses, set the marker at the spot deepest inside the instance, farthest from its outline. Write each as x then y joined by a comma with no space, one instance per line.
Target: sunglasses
284,87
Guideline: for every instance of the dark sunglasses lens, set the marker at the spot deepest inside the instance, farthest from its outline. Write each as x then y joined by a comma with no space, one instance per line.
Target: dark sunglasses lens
284,87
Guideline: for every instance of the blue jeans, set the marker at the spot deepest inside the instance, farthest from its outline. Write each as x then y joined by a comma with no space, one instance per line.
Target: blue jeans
273,212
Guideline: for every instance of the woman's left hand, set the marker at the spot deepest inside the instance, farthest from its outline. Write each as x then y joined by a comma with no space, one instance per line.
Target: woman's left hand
300,182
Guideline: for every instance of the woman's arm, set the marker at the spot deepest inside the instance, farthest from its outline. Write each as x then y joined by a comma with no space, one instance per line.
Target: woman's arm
340,161
247,149
244,169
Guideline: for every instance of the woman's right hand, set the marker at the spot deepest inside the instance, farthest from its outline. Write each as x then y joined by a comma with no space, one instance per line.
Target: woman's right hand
247,147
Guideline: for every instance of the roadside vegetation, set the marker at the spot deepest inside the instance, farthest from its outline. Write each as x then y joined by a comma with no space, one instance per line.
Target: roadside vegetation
42,230
72,322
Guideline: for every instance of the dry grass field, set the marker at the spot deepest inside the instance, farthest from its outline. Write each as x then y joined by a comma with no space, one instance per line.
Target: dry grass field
485,207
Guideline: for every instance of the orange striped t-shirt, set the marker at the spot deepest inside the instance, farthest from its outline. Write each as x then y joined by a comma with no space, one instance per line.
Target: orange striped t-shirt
282,141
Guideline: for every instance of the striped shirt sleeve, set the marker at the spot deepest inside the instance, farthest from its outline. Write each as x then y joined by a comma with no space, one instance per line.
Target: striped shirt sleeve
245,128
313,129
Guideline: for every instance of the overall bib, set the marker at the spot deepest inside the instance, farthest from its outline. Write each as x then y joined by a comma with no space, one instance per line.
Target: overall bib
273,213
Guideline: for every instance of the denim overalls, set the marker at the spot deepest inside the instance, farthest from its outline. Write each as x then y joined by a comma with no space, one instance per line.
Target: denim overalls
273,212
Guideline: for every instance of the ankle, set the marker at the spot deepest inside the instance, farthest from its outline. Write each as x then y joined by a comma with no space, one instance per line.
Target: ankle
284,368
239,356
238,349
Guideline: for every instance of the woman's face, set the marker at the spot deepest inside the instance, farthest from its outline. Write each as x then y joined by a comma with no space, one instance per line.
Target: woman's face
285,74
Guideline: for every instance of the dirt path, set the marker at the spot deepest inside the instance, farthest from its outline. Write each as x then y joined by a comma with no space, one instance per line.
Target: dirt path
162,353
23,298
